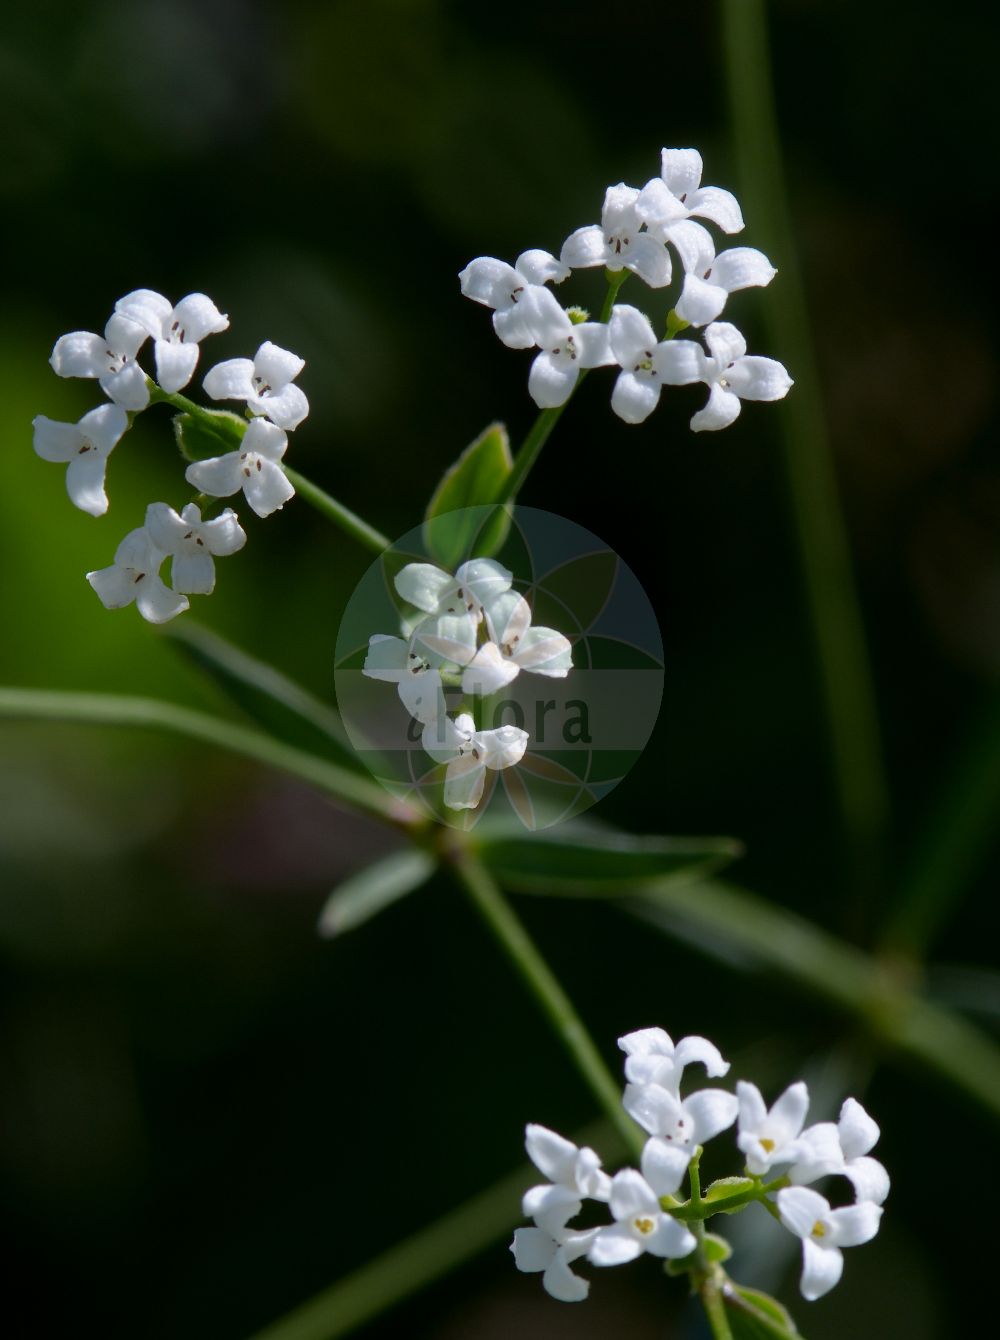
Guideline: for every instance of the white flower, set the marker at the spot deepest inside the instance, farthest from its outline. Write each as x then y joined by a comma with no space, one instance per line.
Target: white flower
768,1137
677,1128
441,642
192,543
843,1149
730,374
265,383
823,1231
647,364
566,348
713,278
253,467
680,175
652,1058
85,447
437,592
135,575
573,1174
176,330
536,1250
468,752
110,358
503,287
640,1225
515,645
620,242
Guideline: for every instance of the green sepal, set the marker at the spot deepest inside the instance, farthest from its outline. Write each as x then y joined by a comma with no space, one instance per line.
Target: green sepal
454,533
675,324
715,1250
369,891
215,434
754,1315
726,1187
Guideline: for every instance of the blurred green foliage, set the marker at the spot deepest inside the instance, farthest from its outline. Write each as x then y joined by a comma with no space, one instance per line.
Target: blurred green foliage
197,1095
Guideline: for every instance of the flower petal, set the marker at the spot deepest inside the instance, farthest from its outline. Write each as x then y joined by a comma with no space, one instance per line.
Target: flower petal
681,170
85,482
56,441
388,658
719,206
653,1107
784,1120
218,477
124,337
741,267
680,362
165,528
541,267
193,574
490,282
822,1267
635,397
725,342
712,1111
631,1194
175,364
553,1155
551,381
723,408
561,1283
442,737
869,1179
695,1049
268,487
658,207
512,328
593,345
752,1108
854,1224
224,535
857,1130
104,427
287,408
756,378
801,1209
424,585
700,302
277,366
647,1040
503,747
450,638
693,244
488,671
533,1250
650,260
148,309
114,586
127,387
231,380
156,602
630,334
197,316
266,439
584,248
551,1207
664,1165
614,1245
543,651
463,783
483,579
80,354
670,1239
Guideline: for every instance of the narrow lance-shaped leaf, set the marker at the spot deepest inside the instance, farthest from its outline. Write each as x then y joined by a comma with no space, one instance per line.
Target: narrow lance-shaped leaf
754,1315
458,518
369,891
215,433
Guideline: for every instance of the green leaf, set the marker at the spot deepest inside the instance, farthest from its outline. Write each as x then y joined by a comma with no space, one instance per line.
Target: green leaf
586,862
716,1250
217,433
459,520
726,1187
282,707
753,1315
365,894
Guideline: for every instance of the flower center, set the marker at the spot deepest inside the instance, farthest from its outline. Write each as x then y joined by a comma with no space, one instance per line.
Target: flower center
765,1144
118,361
176,333
261,387
644,1225
818,1229
250,461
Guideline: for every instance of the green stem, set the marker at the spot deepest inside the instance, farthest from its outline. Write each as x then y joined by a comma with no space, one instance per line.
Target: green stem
838,632
530,449
341,516
100,709
489,901
696,1210
710,1293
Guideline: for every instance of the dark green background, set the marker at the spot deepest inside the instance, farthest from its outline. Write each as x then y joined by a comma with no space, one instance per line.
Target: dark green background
205,1113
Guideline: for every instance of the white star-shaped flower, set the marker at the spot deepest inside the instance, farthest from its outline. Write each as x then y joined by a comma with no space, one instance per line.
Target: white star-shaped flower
713,278
566,348
109,357
193,544
176,331
135,576
824,1232
254,467
647,364
435,591
677,1126
651,1057
535,1250
503,287
730,374
468,752
515,645
825,1149
85,448
640,1225
574,1174
265,382
769,1137
620,242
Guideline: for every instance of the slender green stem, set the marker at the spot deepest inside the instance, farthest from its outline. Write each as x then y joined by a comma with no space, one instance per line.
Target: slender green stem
100,709
838,632
697,1210
531,448
341,516
500,917
710,1293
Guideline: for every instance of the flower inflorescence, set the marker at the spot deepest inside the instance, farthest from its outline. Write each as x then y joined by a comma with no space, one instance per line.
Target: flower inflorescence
274,406
646,1215
472,630
639,230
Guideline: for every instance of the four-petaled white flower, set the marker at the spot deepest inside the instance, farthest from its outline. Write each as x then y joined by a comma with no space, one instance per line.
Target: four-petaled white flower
678,194
135,576
677,1127
253,467
651,1057
85,448
713,278
621,242
535,1250
731,375
768,1137
109,357
824,1232
515,645
440,642
640,1225
566,348
843,1149
468,752
504,287
193,544
647,365
265,382
176,331
574,1173
435,591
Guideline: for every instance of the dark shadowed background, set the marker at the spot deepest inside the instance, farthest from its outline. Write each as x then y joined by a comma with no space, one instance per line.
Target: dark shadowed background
207,1113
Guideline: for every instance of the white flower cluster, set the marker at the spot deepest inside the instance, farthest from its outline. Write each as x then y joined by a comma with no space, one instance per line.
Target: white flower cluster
641,1202
638,228
274,406
470,629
